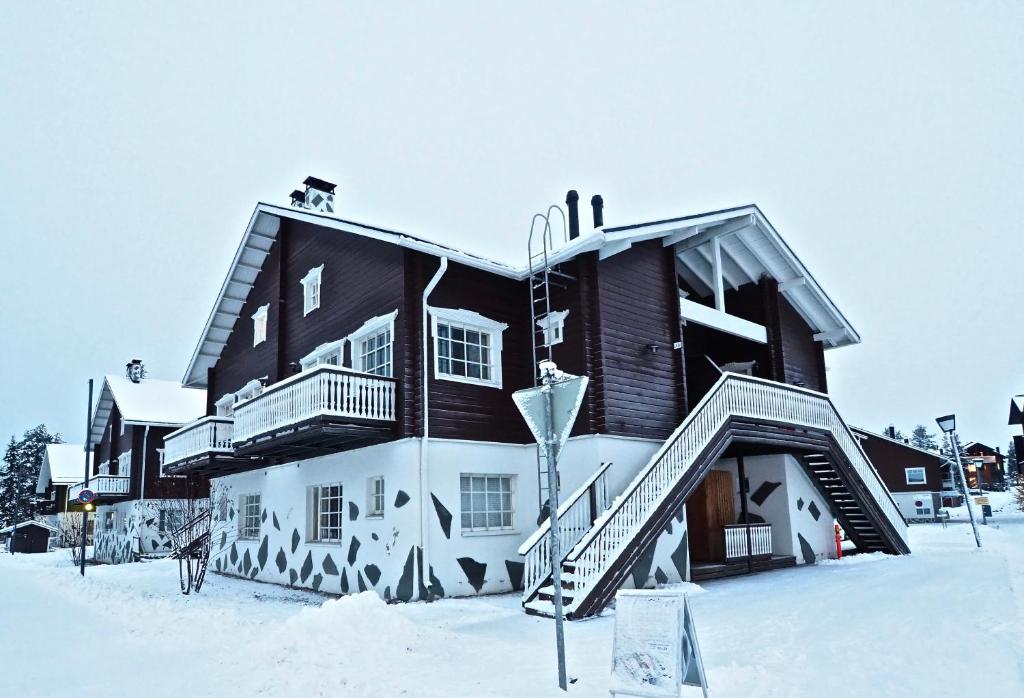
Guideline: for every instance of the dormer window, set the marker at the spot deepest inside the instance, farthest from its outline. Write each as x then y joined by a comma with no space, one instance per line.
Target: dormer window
311,290
372,345
329,354
467,347
553,327
259,325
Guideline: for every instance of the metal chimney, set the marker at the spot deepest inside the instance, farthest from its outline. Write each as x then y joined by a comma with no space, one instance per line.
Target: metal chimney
572,200
597,203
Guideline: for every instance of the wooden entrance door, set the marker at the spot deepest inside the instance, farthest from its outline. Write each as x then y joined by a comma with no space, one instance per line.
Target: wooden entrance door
711,507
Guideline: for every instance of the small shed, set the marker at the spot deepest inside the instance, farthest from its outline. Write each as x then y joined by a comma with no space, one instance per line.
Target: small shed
28,537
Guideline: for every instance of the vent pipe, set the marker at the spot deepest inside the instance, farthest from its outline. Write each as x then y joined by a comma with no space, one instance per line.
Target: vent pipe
597,203
572,201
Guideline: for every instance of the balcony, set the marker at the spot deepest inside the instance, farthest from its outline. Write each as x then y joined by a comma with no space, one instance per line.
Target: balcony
202,447
106,487
323,410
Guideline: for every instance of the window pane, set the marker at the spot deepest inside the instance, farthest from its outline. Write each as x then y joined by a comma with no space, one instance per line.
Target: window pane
458,368
506,519
479,501
478,484
458,334
473,370
472,337
458,350
479,520
467,520
494,519
442,330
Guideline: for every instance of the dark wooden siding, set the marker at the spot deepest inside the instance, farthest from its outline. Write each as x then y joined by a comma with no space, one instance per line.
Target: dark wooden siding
891,460
638,309
478,412
802,357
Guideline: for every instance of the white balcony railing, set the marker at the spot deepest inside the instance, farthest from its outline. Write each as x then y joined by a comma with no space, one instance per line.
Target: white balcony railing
103,486
736,541
206,436
324,391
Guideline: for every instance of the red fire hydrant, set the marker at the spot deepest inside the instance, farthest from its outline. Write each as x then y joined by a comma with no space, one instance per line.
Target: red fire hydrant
839,543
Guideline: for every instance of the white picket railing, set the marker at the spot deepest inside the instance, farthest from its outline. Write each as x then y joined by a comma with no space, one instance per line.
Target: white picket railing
733,395
102,485
327,391
736,541
575,516
202,437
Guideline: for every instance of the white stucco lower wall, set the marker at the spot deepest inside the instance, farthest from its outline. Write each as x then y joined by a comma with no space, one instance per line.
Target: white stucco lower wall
387,553
135,531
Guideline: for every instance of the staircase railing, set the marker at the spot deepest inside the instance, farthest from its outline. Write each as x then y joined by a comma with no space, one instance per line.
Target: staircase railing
575,516
732,395
185,536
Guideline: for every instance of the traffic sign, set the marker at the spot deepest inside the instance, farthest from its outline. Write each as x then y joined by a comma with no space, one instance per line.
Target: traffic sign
566,397
86,496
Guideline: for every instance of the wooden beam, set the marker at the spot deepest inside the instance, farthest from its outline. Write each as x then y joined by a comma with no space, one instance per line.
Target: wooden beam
830,335
680,235
716,273
613,248
792,283
729,228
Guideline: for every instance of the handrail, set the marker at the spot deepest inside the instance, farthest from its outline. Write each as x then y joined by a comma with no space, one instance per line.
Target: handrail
307,374
198,423
732,395
545,525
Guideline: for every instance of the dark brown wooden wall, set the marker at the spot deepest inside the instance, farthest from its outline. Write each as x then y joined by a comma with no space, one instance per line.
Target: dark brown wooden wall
891,459
802,357
638,308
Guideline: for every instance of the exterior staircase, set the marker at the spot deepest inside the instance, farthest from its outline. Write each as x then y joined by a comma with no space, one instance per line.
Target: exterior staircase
737,409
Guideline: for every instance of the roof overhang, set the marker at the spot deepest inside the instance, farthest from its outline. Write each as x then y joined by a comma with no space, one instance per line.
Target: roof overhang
750,244
749,248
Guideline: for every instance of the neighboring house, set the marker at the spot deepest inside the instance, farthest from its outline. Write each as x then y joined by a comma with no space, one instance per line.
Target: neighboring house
920,480
28,537
985,465
137,504
360,430
63,466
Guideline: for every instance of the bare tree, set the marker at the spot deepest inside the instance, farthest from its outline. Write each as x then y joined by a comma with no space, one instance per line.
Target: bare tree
192,524
70,534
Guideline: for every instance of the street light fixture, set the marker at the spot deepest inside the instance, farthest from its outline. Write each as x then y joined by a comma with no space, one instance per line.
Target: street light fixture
948,426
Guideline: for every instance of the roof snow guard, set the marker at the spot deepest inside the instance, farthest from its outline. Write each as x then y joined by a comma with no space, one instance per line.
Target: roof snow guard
149,402
750,246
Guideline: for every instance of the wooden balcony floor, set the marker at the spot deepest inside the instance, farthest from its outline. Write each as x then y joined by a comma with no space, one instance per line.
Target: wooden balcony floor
317,437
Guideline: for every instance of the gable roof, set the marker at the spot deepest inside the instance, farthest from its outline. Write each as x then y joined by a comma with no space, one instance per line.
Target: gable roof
23,524
943,459
63,464
750,245
150,402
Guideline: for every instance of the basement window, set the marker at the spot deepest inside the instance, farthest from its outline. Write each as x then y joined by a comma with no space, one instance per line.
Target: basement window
487,502
915,476
552,326
311,290
259,325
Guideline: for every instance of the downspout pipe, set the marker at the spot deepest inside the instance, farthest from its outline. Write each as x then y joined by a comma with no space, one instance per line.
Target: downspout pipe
142,482
424,440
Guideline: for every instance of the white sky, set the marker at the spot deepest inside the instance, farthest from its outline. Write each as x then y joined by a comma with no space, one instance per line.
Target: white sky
884,143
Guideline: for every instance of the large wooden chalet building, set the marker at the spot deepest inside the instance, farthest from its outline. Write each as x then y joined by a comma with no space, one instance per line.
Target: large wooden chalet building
360,432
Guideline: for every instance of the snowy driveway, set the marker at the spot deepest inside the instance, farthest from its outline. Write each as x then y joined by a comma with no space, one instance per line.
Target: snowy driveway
945,621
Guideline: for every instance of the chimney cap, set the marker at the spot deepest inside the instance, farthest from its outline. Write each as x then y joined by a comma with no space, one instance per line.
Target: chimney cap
321,184
596,199
572,196
298,196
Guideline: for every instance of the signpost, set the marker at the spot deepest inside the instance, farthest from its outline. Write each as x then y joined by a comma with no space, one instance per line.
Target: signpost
550,410
655,648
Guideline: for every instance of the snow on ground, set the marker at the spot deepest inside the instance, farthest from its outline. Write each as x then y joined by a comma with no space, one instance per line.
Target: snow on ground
945,621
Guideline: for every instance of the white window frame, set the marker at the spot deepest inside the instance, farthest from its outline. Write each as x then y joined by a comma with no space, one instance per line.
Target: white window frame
487,529
311,289
924,476
314,529
553,326
259,325
374,498
369,329
225,407
110,520
245,503
473,321
323,353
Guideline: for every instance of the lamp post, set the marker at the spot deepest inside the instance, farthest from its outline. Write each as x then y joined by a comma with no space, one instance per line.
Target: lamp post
948,426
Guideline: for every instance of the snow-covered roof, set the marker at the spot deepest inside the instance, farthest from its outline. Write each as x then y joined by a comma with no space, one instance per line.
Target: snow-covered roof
148,402
876,435
750,245
29,523
63,464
